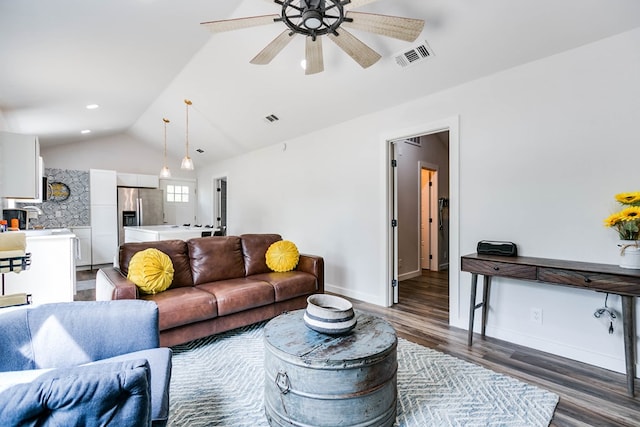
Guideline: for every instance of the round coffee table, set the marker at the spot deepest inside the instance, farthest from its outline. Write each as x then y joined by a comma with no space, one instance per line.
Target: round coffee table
315,379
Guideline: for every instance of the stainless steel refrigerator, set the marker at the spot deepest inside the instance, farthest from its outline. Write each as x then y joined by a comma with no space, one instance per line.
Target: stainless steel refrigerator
139,206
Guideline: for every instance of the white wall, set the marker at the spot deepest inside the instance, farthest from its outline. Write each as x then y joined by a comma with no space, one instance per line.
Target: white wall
122,153
543,149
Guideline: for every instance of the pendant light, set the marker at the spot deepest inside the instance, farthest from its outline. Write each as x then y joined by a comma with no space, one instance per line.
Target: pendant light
187,163
165,172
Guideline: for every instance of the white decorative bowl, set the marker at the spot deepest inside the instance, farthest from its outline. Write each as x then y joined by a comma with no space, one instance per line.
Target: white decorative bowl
329,314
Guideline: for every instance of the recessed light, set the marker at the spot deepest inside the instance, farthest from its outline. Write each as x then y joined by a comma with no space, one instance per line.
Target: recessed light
92,106
85,131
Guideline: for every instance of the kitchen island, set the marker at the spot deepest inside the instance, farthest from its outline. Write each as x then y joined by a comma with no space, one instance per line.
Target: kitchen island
52,274
152,233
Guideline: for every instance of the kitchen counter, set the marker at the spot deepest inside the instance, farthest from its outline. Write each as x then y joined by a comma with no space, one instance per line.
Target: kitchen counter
151,233
52,274
48,233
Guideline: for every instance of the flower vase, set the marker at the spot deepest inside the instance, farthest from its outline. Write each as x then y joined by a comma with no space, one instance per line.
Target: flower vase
629,253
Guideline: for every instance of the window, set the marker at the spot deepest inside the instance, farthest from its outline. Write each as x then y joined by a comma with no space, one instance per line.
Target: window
178,193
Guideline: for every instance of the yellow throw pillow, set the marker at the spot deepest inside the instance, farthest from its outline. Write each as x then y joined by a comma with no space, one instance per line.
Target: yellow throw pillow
282,256
151,270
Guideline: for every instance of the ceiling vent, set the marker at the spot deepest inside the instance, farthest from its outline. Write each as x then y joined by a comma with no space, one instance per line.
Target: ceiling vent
414,55
271,118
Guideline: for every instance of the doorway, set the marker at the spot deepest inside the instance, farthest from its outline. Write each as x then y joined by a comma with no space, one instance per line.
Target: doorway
220,203
179,201
442,207
430,217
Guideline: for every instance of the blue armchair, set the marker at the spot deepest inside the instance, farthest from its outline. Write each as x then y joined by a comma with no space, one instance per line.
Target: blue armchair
83,363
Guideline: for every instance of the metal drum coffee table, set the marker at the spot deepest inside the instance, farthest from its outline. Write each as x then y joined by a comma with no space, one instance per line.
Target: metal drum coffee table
321,380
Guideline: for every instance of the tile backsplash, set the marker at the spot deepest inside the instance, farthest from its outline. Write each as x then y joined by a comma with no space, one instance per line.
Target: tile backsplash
72,212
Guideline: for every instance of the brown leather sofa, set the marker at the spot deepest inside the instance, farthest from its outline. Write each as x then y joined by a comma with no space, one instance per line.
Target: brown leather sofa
219,283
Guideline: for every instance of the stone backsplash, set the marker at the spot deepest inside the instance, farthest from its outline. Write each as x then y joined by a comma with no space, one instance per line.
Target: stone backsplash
72,212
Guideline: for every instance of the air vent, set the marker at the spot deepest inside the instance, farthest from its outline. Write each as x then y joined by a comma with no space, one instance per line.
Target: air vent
413,141
414,55
272,118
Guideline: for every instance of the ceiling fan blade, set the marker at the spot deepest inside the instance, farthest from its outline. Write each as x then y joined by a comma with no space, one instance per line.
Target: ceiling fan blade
357,3
239,23
313,56
407,29
272,49
360,52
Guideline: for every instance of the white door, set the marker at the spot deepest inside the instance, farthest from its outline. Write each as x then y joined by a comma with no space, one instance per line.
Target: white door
179,201
429,218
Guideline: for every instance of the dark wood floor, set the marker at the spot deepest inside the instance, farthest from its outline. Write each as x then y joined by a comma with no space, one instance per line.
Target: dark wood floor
589,396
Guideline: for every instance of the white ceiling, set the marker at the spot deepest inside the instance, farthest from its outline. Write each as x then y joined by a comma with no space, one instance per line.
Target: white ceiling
139,59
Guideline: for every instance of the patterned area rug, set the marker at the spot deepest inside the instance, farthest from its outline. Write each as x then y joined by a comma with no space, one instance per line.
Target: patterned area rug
219,381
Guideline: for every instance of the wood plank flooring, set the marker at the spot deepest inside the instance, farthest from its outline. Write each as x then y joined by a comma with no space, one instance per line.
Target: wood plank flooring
589,396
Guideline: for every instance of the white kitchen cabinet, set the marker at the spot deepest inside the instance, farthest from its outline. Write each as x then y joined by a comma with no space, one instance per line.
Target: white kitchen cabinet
52,274
20,166
138,180
104,215
102,187
83,257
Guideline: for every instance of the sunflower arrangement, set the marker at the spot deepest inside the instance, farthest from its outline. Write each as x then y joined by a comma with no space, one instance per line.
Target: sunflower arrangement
627,221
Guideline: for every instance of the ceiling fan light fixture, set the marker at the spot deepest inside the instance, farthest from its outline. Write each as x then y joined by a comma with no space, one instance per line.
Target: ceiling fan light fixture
187,163
312,19
165,172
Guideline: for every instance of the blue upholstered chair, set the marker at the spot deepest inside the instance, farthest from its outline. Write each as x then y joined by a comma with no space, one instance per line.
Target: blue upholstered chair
83,363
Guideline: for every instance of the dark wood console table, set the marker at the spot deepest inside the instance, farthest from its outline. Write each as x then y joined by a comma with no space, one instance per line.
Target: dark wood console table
596,277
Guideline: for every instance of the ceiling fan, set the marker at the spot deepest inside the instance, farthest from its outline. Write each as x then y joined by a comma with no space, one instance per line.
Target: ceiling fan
315,18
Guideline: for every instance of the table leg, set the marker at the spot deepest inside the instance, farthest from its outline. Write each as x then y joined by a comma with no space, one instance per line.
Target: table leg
629,332
485,302
472,306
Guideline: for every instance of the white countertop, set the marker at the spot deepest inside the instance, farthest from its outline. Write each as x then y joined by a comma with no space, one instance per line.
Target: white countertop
167,228
51,233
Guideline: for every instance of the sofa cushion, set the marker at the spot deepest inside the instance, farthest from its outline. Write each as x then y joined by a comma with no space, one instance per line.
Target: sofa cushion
215,258
289,284
114,393
282,256
254,248
181,306
151,270
159,360
240,294
177,251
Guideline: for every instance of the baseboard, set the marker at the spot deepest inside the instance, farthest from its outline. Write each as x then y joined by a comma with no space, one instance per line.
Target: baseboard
349,293
409,275
560,349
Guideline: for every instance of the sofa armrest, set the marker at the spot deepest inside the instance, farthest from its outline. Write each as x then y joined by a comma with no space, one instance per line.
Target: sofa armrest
111,284
313,264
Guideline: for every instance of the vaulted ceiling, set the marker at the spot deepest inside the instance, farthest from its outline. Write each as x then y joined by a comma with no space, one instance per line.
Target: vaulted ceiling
139,60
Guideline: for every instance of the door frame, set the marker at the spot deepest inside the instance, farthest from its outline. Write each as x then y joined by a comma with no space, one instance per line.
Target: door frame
451,124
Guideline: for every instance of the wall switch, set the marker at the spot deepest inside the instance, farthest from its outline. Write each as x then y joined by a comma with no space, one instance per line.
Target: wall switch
535,315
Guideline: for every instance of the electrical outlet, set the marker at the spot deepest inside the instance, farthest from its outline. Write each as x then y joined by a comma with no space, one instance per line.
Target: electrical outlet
535,315
58,214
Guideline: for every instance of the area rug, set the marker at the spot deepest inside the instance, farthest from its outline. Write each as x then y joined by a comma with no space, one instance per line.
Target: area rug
219,381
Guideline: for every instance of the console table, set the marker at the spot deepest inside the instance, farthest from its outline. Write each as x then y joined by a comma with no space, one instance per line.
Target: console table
597,277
